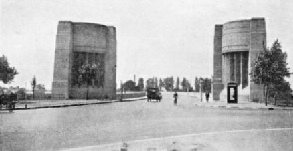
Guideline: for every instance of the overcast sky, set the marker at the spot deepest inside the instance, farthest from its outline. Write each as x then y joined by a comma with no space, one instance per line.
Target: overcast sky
154,38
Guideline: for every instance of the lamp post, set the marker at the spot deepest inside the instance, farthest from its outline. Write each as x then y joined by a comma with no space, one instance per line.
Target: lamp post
187,87
121,88
200,86
25,95
115,82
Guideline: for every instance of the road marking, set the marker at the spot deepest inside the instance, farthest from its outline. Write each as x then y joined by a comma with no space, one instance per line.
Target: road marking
177,136
212,133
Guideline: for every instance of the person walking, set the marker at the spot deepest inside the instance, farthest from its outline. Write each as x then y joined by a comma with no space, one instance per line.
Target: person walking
175,96
207,96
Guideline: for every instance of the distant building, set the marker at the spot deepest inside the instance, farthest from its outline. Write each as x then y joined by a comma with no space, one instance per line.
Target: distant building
236,46
78,44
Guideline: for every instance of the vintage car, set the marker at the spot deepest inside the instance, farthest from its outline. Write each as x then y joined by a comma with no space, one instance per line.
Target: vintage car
154,94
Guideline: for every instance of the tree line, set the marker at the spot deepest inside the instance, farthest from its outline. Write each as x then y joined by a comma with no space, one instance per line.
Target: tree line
169,84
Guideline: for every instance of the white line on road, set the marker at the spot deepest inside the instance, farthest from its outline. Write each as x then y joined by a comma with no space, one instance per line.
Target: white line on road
212,133
180,136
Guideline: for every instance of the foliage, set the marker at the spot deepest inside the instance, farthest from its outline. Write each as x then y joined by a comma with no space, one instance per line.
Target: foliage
281,91
156,82
196,85
177,84
270,68
7,73
184,84
40,87
150,83
206,84
161,84
169,82
140,84
129,85
21,94
34,83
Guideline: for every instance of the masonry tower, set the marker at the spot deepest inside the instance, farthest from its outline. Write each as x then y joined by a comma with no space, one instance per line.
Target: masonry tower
78,44
236,45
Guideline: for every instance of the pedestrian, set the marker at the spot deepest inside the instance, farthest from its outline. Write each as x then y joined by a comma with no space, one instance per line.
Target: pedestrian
175,98
207,96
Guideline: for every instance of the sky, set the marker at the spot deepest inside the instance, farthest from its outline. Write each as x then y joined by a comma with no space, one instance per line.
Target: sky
158,38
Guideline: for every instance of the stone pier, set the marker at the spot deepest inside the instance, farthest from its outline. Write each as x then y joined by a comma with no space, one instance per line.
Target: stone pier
236,45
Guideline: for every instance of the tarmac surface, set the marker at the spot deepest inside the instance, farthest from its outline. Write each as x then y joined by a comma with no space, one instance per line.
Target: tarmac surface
142,125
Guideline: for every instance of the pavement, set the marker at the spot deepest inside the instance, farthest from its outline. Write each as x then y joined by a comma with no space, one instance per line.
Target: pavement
39,104
239,105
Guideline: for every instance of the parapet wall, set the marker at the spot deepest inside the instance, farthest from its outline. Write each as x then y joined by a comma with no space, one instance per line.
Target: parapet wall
130,95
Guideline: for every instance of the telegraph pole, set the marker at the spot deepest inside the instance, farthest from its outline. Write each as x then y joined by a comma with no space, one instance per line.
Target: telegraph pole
25,95
200,85
121,88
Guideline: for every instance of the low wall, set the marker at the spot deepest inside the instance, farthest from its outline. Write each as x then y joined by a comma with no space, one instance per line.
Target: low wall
130,95
39,97
61,97
93,93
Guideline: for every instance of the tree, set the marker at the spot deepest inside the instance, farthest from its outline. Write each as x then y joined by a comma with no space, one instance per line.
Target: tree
21,94
161,84
270,68
189,86
206,84
7,73
281,91
87,74
156,82
129,85
196,84
41,86
184,85
150,83
169,82
177,84
140,84
34,84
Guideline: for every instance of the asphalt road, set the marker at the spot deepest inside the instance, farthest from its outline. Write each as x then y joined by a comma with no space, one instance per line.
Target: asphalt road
81,126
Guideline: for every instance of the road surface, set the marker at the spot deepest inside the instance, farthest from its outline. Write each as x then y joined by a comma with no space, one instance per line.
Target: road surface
82,126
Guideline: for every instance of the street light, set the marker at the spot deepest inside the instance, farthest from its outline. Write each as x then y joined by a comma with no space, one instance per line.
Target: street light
25,95
200,85
121,89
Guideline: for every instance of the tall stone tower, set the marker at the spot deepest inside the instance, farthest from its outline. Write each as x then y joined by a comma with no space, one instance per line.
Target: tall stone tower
236,46
78,44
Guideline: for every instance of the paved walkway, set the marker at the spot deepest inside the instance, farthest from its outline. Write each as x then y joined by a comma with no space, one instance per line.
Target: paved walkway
239,105
38,104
